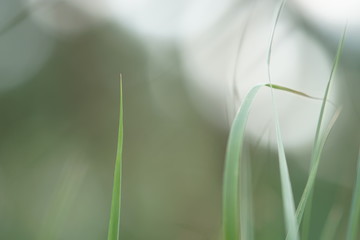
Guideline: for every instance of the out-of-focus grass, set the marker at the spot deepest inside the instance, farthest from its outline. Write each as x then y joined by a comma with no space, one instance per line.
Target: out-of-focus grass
233,205
65,192
332,223
353,225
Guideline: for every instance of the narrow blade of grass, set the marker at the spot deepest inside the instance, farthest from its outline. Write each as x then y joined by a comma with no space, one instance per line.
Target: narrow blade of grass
279,11
307,194
287,194
319,139
308,207
292,91
353,225
114,222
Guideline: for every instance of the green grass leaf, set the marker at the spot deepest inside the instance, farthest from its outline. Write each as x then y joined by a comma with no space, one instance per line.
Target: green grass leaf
274,86
353,225
320,139
246,199
287,194
303,206
114,223
231,225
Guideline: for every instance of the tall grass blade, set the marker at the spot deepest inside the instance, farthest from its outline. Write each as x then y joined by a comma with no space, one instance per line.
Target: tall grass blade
287,194
319,139
307,211
354,220
114,223
279,11
231,207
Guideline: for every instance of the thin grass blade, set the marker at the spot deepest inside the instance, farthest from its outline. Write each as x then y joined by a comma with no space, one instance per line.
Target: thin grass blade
307,209
114,222
287,193
319,139
282,88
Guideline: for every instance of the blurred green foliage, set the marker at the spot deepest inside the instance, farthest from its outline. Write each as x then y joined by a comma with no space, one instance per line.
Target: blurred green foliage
58,133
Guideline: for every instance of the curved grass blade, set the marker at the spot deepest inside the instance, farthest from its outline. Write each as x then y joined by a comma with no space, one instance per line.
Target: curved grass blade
274,86
353,226
287,193
114,222
231,225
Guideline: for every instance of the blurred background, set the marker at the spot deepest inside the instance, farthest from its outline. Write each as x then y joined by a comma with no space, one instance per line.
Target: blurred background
186,67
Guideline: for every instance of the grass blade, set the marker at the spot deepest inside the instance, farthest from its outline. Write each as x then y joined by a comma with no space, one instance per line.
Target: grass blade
274,86
246,200
231,225
353,225
319,140
114,223
308,206
279,11
287,194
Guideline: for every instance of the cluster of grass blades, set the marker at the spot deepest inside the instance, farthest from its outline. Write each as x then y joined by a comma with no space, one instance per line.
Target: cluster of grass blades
233,207
231,203
237,207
